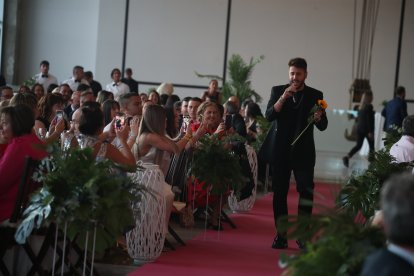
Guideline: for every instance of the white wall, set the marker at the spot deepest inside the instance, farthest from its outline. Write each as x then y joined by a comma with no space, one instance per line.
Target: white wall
63,32
169,39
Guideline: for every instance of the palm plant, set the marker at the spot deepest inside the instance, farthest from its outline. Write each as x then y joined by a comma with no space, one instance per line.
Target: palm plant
239,83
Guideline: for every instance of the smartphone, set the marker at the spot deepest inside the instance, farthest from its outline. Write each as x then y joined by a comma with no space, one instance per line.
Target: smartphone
59,115
119,120
228,121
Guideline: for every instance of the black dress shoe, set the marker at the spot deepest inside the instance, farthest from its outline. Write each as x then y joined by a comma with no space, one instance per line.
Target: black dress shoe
301,244
345,159
279,242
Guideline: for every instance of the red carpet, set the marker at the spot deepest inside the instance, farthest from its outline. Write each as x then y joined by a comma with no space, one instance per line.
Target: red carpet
242,251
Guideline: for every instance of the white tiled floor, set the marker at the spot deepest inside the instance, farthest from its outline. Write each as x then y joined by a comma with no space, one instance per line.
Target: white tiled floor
330,168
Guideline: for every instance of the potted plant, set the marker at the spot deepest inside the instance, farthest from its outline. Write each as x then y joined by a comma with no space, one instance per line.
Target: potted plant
82,194
239,83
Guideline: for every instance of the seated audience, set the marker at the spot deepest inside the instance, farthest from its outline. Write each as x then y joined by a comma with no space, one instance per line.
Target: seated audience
103,96
154,97
17,140
6,93
252,111
403,150
211,123
38,90
397,203
49,124
91,127
153,146
24,89
236,123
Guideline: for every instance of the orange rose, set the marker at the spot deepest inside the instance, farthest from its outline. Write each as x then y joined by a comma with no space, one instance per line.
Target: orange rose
322,104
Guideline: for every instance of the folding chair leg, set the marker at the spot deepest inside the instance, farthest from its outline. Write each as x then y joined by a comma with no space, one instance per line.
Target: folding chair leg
227,219
175,235
168,244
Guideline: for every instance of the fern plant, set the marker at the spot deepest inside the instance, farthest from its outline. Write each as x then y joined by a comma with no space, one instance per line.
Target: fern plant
361,192
82,193
216,166
339,244
239,83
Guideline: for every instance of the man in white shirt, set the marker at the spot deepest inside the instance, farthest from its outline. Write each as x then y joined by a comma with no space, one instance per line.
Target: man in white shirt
44,77
403,150
77,78
117,87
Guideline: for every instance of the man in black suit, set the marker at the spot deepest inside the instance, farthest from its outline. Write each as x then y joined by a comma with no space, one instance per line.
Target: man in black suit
397,203
289,108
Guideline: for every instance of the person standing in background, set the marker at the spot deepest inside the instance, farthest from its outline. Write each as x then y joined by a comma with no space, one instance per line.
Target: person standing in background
44,77
365,126
95,85
128,80
116,86
289,107
395,110
78,77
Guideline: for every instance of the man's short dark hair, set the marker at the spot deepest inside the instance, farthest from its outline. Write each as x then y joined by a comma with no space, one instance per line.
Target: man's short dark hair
115,70
397,204
44,62
76,67
124,98
298,63
88,74
231,107
186,99
83,87
196,99
400,90
408,125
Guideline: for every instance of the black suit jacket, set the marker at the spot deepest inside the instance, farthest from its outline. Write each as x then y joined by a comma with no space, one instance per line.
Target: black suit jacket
288,123
386,263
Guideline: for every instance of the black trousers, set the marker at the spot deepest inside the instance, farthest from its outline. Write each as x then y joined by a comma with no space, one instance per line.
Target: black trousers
304,186
360,141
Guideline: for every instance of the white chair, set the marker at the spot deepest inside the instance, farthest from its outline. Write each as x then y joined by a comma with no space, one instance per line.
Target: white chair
146,241
246,205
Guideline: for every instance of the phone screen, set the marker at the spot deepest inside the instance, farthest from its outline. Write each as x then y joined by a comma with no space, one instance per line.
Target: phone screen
119,121
227,121
59,114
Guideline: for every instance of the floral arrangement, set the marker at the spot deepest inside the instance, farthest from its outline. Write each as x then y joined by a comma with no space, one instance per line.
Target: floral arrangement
81,193
321,105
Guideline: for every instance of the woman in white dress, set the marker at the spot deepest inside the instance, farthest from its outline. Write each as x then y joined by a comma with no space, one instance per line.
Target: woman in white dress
154,146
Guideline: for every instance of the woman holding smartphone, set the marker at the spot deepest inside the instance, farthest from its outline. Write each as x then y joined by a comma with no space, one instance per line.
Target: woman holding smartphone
51,122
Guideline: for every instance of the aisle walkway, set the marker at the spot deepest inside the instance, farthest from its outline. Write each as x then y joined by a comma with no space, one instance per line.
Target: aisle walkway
242,251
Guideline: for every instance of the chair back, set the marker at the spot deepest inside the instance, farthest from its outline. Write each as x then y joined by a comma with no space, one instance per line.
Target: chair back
26,186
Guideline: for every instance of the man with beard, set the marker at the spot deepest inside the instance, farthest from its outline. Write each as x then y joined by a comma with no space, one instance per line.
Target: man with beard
288,109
